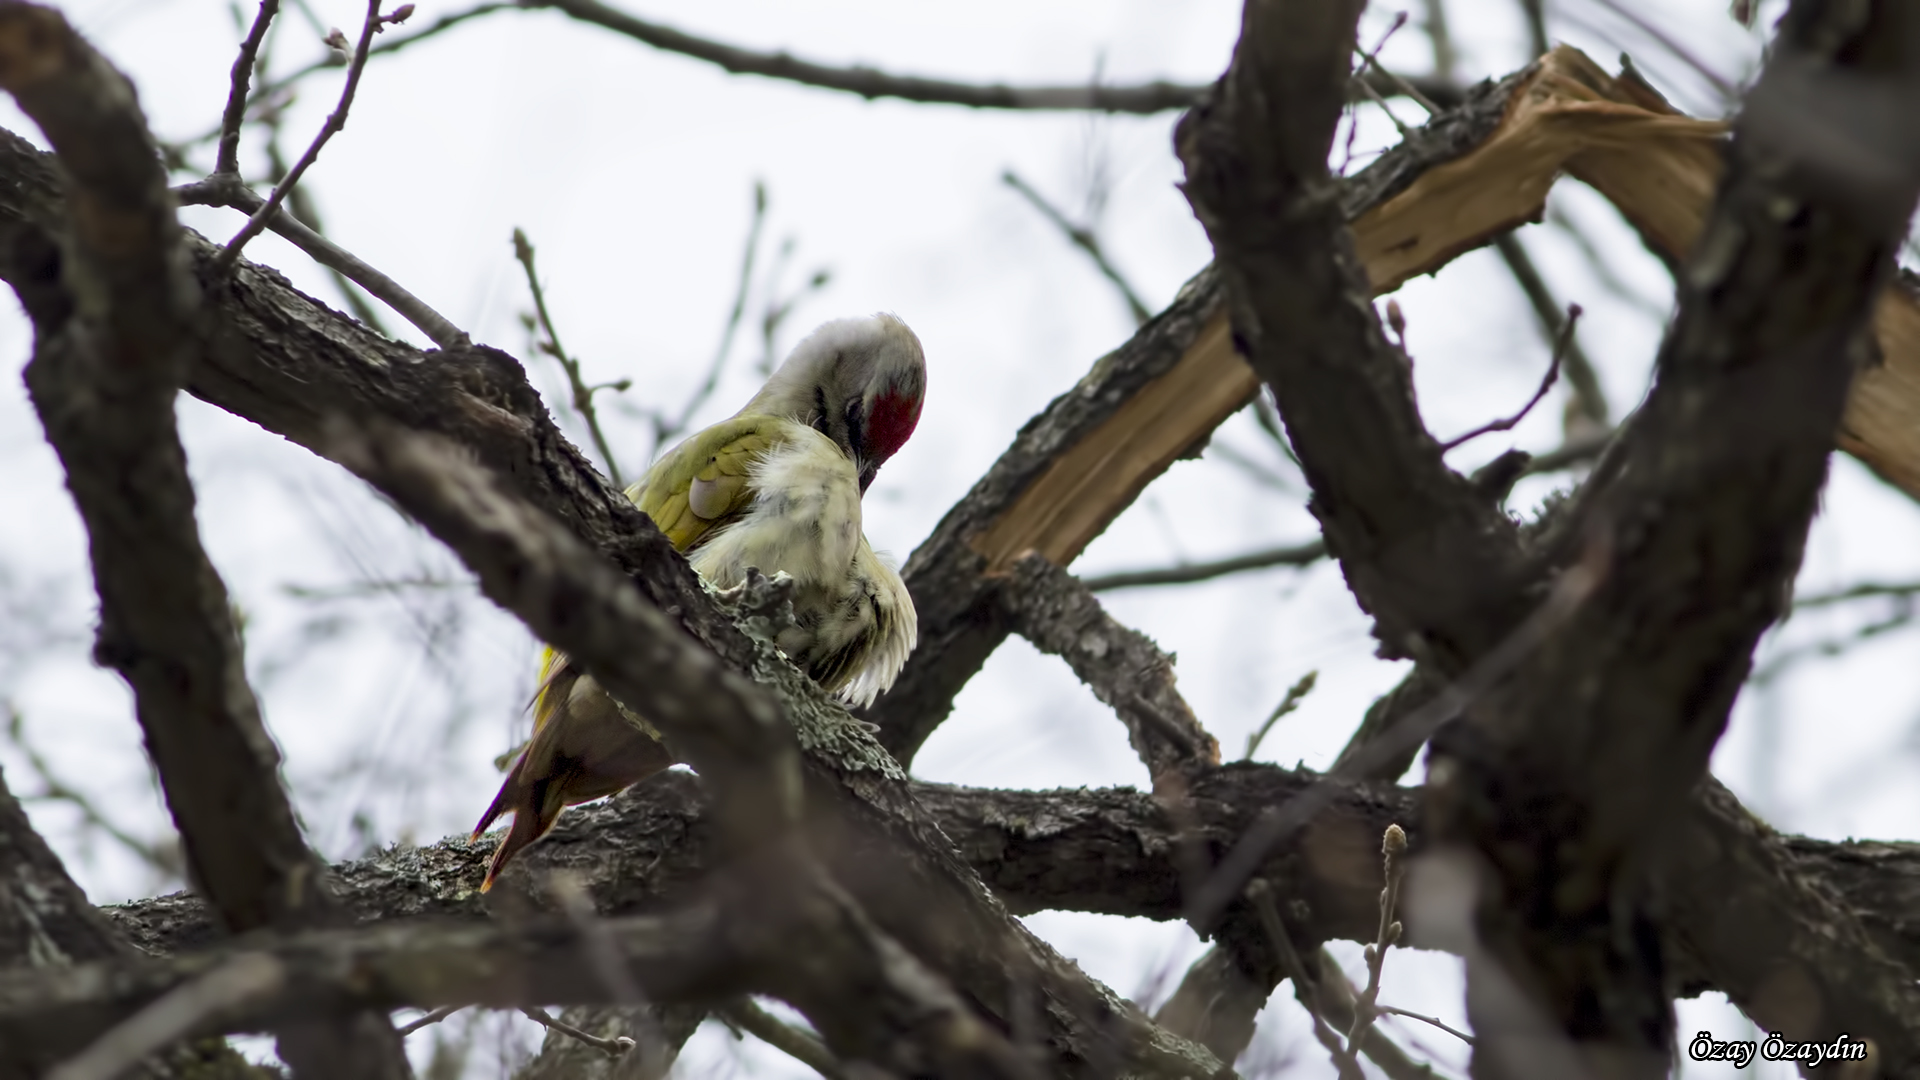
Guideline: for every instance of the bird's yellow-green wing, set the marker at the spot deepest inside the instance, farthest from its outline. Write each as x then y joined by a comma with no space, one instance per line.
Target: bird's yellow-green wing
702,483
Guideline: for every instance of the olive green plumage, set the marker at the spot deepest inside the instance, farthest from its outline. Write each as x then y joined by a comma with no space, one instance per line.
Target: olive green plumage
776,487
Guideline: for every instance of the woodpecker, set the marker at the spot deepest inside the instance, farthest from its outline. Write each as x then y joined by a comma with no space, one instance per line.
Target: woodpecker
777,487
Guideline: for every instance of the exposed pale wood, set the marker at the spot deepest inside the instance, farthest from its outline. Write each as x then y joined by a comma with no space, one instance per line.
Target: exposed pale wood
1077,497
1658,167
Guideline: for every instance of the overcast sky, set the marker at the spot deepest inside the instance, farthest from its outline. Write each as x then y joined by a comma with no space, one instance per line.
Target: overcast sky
633,173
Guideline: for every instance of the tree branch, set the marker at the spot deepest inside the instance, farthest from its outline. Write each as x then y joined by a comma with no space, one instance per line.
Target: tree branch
1122,666
336,121
46,922
103,379
219,190
227,158
1288,555
1615,714
870,83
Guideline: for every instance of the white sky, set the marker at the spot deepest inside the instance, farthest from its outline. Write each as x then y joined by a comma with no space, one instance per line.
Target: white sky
632,171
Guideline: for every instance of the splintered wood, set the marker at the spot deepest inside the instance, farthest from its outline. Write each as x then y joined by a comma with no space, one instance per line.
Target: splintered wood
1569,117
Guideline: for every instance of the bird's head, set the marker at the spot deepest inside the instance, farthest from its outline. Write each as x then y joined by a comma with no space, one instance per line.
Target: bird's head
860,382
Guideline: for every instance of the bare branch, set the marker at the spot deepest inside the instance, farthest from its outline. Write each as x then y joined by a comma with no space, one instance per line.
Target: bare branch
228,158
225,191
46,921
1725,89
187,1008
870,83
1616,714
336,120
582,393
1300,306
1393,848
1123,667
679,955
1752,902
1261,896
1591,398
618,1046
1430,1021
665,430
1560,347
1289,555
1295,694
104,379
796,1044
432,1017
744,740
1084,239
159,855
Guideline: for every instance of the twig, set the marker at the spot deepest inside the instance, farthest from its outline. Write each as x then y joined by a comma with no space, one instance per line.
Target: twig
1335,996
1291,555
664,430
1268,418
300,203
1672,45
801,1046
1393,850
1574,451
582,393
433,1017
1423,1018
391,45
180,1011
1372,60
228,191
1536,13
227,160
1277,824
1553,374
1145,98
614,1047
1441,37
359,590
1295,694
603,951
1261,894
1258,471
1379,99
336,120
1602,267
777,310
53,789
607,960
1902,616
1862,591
1580,371
1084,239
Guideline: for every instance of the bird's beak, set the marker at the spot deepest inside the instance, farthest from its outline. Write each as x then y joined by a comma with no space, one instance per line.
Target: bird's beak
868,470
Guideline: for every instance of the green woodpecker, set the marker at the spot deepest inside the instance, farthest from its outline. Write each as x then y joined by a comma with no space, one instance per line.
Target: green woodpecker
778,488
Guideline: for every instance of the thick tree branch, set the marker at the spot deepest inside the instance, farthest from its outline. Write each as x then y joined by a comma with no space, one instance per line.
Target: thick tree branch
871,999
288,364
1612,719
686,955
1122,666
1083,460
1752,902
866,994
103,378
46,923
1422,551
